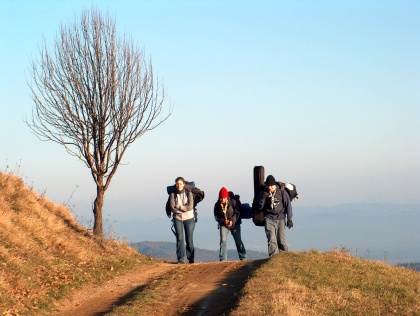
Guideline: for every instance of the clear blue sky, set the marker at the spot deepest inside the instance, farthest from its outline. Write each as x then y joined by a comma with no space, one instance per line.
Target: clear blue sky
324,94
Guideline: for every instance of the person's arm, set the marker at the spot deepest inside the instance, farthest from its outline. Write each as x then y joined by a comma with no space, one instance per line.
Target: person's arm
189,206
261,199
236,212
172,203
287,209
217,214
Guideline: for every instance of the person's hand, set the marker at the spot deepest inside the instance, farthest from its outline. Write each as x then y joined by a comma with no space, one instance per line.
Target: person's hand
289,223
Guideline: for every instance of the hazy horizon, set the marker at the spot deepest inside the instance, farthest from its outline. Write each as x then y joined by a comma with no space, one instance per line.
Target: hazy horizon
375,231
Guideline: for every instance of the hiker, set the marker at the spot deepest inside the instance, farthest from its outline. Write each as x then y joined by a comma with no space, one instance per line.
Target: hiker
181,201
227,214
276,205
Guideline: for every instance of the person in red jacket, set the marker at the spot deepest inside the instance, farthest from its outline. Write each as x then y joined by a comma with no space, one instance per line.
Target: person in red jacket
227,214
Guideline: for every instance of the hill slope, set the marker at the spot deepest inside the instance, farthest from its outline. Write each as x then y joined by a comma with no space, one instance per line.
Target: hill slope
45,253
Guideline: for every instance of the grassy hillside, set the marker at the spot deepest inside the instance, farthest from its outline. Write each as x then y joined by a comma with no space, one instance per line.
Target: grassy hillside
45,253
333,283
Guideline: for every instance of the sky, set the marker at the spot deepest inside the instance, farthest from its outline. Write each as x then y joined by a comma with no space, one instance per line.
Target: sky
323,94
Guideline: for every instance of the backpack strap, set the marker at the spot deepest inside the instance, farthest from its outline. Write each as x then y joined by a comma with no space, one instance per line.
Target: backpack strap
187,193
281,185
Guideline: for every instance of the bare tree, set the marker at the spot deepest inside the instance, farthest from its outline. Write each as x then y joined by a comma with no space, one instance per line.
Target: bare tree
95,95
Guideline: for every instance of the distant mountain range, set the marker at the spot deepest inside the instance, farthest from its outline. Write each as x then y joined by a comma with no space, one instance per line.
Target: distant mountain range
166,250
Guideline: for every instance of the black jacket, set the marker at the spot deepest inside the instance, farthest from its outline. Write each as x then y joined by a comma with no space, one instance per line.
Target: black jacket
233,213
275,206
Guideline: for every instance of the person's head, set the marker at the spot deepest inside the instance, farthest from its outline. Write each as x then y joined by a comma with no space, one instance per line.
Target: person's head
270,182
179,183
223,195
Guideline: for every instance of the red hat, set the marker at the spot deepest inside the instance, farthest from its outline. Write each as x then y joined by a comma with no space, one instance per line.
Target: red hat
223,193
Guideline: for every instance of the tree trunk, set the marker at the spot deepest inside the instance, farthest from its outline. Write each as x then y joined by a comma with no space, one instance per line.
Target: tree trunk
97,211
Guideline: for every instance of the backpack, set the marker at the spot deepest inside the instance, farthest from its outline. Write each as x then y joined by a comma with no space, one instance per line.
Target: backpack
245,208
290,190
198,196
258,216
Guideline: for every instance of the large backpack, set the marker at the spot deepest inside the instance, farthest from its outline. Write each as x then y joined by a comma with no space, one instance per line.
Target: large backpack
198,196
245,208
258,215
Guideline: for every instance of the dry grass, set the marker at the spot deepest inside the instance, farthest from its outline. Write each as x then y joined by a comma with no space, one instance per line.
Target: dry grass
45,253
334,283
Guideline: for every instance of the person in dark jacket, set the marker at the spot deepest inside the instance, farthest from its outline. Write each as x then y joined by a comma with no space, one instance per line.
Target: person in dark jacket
277,206
181,201
227,214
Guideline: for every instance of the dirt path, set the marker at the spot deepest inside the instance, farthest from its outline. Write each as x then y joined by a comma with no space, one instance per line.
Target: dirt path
97,300
212,289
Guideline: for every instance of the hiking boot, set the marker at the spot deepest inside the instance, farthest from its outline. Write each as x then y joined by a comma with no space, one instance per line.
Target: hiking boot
191,261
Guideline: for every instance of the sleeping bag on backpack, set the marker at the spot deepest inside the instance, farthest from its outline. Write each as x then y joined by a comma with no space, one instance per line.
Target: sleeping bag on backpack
244,208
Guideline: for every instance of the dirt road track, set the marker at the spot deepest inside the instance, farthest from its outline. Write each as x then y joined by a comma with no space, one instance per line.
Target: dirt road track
212,289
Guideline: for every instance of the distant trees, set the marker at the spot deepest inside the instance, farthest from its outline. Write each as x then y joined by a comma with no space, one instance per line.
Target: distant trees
95,95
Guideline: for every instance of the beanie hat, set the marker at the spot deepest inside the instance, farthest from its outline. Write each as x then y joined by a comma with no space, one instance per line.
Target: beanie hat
223,193
270,180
